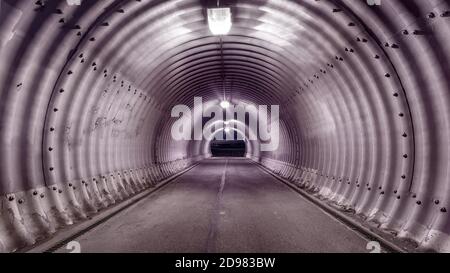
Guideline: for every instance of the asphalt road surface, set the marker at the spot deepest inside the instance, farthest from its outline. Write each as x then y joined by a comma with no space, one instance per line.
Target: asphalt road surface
223,205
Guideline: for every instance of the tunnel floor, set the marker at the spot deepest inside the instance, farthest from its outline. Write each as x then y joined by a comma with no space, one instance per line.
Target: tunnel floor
223,205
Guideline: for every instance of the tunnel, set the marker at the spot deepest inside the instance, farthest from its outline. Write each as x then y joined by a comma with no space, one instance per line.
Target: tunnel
356,90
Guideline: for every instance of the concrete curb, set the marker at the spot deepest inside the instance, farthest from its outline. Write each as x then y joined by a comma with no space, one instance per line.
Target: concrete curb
390,246
64,236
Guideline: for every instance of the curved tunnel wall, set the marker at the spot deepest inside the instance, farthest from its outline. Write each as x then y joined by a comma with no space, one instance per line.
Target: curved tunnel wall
86,94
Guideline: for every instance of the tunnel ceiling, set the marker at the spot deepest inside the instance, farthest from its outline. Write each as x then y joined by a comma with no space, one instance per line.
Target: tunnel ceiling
86,93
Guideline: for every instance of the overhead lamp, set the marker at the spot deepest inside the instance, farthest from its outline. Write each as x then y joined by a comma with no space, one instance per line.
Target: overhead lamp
219,20
227,129
224,104
226,122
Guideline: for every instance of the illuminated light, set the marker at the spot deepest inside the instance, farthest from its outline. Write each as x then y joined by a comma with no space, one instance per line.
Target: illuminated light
226,122
224,104
219,20
227,129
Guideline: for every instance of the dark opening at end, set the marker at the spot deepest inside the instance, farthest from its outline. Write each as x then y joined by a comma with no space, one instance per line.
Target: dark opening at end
223,148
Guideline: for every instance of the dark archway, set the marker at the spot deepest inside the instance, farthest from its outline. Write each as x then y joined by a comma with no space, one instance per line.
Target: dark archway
224,148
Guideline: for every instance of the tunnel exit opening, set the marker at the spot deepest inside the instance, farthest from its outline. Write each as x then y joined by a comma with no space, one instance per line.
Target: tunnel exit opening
228,148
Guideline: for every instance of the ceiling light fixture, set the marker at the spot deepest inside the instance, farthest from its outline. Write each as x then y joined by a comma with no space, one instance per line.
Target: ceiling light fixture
224,104
219,20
